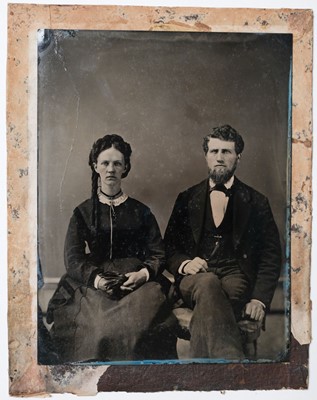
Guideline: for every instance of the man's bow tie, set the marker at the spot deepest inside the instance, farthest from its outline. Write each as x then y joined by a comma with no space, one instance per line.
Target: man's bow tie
221,188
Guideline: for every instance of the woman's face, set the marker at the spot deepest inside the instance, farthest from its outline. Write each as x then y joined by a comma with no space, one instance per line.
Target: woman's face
110,166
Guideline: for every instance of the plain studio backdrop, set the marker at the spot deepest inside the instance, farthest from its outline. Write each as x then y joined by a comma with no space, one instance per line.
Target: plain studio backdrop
163,92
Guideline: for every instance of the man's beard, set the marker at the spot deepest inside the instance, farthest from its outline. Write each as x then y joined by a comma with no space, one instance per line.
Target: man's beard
222,177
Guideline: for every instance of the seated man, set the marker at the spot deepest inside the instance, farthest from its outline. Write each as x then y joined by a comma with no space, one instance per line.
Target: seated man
223,248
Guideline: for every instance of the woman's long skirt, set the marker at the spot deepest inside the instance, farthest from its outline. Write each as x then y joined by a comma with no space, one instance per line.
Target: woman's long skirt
93,327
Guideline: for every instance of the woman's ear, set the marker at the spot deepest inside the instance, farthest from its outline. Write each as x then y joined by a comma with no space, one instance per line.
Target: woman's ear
95,166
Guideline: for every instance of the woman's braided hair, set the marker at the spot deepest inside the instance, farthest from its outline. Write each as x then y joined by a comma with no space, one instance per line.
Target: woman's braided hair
99,146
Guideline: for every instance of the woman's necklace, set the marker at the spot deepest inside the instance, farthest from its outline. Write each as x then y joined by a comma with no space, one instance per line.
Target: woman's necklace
115,200
110,200
112,197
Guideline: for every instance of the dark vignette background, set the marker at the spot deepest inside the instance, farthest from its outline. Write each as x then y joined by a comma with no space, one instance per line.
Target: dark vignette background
162,92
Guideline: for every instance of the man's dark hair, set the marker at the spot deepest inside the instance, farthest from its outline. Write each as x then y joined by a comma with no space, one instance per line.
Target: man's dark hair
226,133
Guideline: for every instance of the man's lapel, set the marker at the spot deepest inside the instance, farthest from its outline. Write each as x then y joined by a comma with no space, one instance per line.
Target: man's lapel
241,210
197,207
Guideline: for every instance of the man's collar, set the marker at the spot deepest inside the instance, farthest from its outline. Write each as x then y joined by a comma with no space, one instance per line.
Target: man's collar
228,184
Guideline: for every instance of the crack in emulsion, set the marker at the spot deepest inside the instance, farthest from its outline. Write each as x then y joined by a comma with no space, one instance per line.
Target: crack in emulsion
60,55
72,145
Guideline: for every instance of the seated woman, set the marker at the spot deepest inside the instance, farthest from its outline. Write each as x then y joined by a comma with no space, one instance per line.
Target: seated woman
109,306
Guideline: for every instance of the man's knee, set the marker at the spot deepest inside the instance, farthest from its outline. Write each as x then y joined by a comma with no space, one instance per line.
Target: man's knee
235,289
203,284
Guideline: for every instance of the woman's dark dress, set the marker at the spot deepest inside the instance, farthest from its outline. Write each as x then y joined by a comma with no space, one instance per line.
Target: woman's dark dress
88,325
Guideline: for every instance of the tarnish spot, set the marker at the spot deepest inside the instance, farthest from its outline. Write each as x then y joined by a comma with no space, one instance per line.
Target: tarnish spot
65,374
301,200
191,17
11,127
303,134
296,270
15,213
160,21
263,22
283,16
299,204
23,172
296,228
16,138
309,68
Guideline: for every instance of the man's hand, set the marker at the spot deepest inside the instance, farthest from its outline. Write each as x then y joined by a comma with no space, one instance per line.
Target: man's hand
136,279
194,266
255,310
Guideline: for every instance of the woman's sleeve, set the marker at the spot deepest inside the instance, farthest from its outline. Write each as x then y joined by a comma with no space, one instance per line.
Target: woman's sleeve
155,253
78,264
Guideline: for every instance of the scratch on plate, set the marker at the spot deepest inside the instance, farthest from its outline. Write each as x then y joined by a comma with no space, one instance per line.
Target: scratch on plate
59,52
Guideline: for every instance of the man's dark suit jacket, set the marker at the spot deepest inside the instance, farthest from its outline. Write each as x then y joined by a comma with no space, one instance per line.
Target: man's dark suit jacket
255,235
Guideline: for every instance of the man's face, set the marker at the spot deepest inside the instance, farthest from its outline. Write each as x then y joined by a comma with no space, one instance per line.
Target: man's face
222,160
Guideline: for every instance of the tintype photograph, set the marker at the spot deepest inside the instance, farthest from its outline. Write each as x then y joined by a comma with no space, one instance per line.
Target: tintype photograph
159,208
164,196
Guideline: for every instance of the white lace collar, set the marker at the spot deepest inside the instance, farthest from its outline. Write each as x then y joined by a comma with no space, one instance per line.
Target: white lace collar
111,202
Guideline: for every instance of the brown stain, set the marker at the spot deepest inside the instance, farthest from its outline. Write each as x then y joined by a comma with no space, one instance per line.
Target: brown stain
28,383
167,17
307,143
305,184
207,377
301,21
203,27
171,26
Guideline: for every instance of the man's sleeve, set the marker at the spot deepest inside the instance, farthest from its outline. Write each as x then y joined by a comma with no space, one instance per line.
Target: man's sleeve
155,260
268,255
177,236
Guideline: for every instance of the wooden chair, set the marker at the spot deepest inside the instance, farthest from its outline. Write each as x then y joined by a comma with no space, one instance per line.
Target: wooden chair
250,330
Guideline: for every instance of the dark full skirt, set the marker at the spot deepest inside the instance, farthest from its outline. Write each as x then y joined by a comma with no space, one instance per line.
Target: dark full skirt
93,327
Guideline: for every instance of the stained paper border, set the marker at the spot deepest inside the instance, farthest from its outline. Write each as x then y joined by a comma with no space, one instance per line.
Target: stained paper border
26,376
